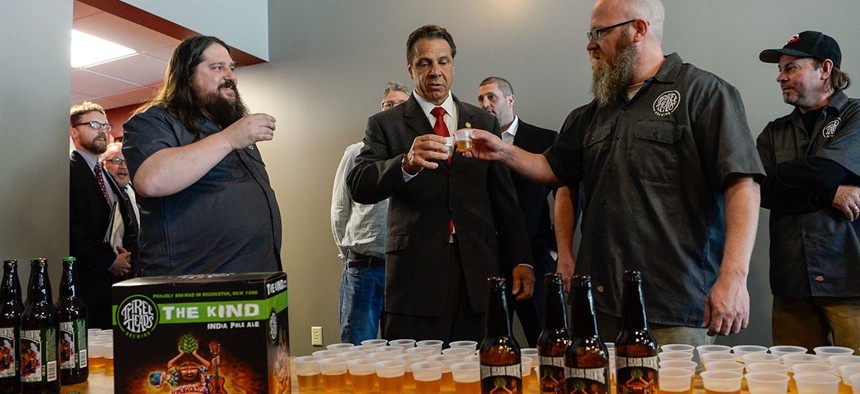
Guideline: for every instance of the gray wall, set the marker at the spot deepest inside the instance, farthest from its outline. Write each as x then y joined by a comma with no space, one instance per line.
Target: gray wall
329,61
34,138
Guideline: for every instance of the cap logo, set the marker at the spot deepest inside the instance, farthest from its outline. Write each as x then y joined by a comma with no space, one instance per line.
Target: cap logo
666,103
793,38
830,130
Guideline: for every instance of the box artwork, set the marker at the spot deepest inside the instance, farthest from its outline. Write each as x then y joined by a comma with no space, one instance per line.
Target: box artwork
216,333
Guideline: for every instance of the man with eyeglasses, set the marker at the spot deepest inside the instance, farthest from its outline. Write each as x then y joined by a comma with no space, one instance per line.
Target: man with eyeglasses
359,233
668,170
113,161
95,200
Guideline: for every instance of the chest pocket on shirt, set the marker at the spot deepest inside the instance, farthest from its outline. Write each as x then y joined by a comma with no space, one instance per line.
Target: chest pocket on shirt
596,145
229,169
654,150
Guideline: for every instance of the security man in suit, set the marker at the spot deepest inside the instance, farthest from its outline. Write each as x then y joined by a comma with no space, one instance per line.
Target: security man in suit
452,221
496,96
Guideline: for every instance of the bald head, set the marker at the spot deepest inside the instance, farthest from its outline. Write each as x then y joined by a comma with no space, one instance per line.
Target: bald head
650,10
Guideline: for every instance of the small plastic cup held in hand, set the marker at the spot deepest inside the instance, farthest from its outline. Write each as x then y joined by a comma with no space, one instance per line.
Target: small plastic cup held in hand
463,138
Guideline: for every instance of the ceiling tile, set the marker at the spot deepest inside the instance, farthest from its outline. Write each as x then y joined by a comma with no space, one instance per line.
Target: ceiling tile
138,69
97,85
123,32
82,10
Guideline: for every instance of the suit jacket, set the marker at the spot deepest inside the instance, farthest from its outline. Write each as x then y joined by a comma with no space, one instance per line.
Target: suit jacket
533,196
89,216
478,195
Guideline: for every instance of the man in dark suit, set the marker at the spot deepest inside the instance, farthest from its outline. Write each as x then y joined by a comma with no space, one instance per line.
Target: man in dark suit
93,197
452,221
496,96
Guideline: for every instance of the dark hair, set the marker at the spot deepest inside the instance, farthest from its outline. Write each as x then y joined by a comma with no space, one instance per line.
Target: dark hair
79,110
430,32
502,83
176,95
839,80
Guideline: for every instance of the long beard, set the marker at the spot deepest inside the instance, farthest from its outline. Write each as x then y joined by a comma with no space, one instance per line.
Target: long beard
219,109
610,79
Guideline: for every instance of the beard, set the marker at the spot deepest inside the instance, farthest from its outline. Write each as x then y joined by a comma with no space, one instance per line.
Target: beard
610,78
97,145
219,109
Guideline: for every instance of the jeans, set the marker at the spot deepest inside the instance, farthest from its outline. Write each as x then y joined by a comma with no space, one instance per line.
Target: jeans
361,292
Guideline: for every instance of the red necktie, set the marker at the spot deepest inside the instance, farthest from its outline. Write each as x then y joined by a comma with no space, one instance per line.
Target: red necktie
98,171
440,128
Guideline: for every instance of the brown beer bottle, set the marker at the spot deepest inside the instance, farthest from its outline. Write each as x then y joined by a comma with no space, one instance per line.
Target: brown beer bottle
11,309
500,353
586,360
73,327
635,348
40,326
554,337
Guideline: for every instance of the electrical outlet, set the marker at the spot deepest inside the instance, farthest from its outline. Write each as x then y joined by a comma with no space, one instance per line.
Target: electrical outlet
316,336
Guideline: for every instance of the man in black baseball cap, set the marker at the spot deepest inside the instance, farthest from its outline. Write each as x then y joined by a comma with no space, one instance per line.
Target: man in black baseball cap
813,166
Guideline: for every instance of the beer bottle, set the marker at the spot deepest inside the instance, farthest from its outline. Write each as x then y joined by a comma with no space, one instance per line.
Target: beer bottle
73,328
39,334
554,337
635,348
10,325
586,360
500,353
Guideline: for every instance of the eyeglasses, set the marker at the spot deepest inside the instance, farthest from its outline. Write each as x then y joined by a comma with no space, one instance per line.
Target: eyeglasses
596,34
95,125
391,104
115,160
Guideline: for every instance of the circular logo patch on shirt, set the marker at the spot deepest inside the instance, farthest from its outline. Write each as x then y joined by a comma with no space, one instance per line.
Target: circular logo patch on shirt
830,129
666,103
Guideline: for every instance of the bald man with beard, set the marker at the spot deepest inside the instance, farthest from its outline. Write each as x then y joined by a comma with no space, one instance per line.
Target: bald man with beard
668,171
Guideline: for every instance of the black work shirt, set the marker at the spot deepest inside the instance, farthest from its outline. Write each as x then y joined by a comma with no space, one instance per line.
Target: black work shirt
653,171
227,221
817,252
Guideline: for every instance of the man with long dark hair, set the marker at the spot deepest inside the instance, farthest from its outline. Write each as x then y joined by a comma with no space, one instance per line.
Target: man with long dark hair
203,189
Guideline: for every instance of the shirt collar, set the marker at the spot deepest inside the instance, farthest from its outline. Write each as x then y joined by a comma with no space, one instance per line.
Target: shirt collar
512,129
427,106
669,70
88,158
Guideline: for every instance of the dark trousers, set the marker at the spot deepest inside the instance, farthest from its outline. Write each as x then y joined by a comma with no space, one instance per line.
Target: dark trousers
457,322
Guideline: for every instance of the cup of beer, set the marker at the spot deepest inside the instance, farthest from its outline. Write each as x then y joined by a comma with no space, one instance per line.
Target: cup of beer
676,380
817,383
463,138
767,382
467,377
722,381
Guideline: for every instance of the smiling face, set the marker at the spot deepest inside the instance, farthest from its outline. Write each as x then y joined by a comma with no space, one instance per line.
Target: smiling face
803,85
88,139
432,69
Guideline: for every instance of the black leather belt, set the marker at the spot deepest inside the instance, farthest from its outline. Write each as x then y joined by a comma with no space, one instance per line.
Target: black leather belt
357,260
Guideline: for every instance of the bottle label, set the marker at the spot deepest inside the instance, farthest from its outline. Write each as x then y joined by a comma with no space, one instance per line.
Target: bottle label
551,374
637,374
73,344
501,378
586,380
8,366
39,355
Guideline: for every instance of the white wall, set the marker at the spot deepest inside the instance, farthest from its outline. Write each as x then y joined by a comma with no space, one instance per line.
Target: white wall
241,24
34,140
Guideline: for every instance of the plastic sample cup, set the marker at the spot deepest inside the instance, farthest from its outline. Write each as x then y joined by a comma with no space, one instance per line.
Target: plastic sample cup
767,367
467,377
828,351
741,350
527,365
374,342
339,346
362,374
447,361
472,345
822,369
463,138
677,347
428,377
782,350
767,382
817,383
424,351
404,343
459,352
334,374
676,380
690,365
431,343
409,359
725,366
760,358
675,355
704,349
721,381
716,356
389,374
307,370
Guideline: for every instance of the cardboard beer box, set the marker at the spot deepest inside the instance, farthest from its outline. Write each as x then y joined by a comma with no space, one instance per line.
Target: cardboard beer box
214,333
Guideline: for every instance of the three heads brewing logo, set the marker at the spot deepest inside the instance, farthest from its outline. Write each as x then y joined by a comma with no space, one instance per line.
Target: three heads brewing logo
666,103
137,316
